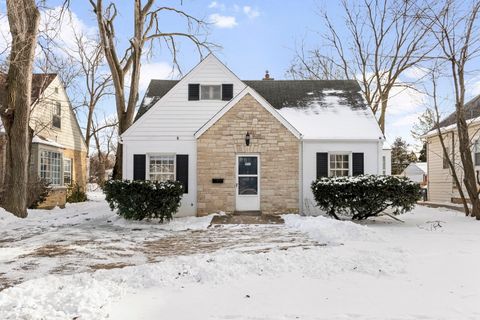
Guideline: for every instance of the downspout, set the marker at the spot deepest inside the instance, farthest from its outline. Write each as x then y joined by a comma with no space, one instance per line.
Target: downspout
301,178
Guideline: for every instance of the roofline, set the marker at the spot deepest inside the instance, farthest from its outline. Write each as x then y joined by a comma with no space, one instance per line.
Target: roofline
235,100
144,115
449,128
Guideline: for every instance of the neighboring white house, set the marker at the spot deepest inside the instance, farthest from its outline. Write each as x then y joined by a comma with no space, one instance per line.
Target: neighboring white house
417,172
251,145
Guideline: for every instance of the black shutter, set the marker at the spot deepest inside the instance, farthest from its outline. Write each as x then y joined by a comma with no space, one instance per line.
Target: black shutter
182,171
227,92
193,92
139,165
357,163
322,164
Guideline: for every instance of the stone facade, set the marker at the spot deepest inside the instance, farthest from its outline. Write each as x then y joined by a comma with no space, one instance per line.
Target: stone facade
57,197
279,152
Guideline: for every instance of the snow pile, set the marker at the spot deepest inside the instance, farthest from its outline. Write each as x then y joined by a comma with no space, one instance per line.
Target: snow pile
331,116
84,295
331,231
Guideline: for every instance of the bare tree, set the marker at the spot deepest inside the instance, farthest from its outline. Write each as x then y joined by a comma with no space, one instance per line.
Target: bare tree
23,19
384,39
97,83
105,136
147,28
456,32
448,152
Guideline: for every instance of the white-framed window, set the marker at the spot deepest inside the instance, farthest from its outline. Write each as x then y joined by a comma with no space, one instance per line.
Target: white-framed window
339,164
384,165
476,155
161,167
210,92
67,171
51,166
57,115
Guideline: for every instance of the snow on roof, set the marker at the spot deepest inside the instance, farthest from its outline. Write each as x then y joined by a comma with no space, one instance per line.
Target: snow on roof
330,116
422,166
47,142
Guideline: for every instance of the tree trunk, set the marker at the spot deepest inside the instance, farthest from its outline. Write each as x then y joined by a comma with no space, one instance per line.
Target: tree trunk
469,179
23,18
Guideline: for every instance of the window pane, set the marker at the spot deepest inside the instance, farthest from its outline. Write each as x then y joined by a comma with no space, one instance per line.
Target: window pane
162,168
247,165
50,167
210,92
247,185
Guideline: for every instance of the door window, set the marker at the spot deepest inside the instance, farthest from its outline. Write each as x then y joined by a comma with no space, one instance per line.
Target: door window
247,175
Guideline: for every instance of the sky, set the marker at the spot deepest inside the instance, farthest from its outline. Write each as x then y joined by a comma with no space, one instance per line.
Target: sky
254,36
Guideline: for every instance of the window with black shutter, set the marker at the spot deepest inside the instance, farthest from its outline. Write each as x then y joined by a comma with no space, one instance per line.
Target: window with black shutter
357,163
227,92
139,166
182,171
322,164
193,92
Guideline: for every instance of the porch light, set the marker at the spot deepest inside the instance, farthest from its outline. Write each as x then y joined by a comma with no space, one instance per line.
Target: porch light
247,139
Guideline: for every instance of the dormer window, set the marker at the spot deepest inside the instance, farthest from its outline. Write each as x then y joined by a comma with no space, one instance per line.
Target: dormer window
210,92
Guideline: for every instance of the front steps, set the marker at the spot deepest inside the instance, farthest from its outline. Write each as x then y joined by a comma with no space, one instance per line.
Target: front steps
247,217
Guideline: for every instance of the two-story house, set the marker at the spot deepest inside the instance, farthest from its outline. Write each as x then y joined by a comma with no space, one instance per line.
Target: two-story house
251,145
58,153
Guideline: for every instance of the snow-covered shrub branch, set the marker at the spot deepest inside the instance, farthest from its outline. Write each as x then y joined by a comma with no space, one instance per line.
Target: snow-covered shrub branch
365,196
140,200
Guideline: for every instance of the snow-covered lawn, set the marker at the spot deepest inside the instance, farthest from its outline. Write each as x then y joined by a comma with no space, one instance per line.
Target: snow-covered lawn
65,264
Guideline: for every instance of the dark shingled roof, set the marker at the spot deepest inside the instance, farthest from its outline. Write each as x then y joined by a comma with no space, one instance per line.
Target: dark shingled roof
279,93
40,81
472,111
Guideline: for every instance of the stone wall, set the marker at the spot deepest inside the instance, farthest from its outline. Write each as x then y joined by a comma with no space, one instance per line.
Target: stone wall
57,197
278,148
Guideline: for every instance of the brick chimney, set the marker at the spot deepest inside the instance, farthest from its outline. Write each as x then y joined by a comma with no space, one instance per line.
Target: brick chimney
267,76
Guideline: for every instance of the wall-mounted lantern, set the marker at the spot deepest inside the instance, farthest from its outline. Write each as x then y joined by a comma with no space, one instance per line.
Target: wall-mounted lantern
247,139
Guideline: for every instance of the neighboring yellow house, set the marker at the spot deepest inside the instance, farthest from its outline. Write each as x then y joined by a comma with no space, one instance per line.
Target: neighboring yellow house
441,186
59,151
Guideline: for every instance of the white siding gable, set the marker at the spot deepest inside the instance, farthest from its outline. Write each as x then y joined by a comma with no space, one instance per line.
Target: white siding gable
174,115
69,135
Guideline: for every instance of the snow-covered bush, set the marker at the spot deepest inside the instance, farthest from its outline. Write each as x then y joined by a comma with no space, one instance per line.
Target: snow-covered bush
140,200
365,196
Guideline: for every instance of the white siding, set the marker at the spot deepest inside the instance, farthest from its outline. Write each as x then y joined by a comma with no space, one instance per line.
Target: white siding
439,179
370,150
174,116
189,200
70,134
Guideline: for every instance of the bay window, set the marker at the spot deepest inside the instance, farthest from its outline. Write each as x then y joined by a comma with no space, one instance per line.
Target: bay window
50,167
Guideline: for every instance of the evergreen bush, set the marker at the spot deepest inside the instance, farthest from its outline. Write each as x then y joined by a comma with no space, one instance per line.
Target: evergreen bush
140,200
365,196
37,191
76,193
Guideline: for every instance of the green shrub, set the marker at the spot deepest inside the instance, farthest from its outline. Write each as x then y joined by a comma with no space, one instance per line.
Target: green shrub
37,191
365,196
140,200
76,193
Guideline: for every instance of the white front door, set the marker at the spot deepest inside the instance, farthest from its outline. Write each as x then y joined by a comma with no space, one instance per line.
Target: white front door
248,183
